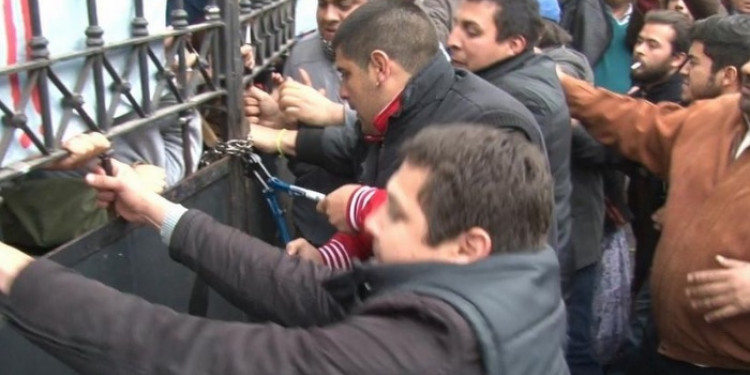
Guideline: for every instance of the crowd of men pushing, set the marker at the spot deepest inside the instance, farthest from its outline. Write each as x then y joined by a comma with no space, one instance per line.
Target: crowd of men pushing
481,204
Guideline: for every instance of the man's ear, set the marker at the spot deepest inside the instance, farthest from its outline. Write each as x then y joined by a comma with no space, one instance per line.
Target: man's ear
517,44
730,77
380,66
474,244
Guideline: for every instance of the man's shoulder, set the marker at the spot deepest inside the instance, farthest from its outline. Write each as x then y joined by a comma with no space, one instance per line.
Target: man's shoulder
306,50
536,86
425,319
571,62
488,101
713,110
722,103
474,91
423,307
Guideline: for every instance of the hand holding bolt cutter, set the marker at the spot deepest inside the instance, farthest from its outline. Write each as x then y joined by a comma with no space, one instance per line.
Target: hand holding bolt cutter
270,184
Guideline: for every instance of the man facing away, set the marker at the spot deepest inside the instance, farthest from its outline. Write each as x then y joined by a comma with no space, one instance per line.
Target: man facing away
474,292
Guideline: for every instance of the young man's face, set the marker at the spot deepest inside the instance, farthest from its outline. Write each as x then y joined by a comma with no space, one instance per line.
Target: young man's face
358,87
700,82
473,41
653,50
330,14
399,227
679,6
745,91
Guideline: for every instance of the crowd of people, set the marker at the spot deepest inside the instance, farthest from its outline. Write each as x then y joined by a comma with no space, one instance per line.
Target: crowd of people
484,163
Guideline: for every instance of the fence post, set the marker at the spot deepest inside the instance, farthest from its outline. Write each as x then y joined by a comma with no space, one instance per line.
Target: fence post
236,123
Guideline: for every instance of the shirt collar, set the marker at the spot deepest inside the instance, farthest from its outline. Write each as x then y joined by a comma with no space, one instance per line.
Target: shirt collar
625,17
380,122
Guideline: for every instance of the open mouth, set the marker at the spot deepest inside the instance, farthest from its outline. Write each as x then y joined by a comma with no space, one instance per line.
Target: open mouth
329,31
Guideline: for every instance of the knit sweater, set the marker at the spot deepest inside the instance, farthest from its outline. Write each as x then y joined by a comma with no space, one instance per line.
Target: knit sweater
709,197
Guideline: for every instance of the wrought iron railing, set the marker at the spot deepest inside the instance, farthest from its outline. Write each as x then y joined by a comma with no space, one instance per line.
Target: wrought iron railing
131,75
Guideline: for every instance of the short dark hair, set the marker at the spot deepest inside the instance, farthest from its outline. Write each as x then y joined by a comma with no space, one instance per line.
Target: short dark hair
679,22
553,35
482,176
517,18
399,28
726,40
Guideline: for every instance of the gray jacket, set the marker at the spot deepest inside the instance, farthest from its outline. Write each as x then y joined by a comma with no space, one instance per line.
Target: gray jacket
531,79
588,24
441,13
503,315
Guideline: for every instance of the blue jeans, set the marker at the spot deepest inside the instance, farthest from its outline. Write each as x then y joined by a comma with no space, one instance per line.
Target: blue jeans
580,351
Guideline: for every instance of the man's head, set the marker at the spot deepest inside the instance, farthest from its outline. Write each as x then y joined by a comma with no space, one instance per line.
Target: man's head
740,6
677,6
720,46
662,46
488,31
459,201
378,49
331,13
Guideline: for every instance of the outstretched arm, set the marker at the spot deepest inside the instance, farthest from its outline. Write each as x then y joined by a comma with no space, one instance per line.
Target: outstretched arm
639,130
253,275
98,330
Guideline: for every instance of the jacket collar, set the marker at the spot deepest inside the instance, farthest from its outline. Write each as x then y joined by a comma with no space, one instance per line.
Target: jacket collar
429,84
364,281
501,68
381,120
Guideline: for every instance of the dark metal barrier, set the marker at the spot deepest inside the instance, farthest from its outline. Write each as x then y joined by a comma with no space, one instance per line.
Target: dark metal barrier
52,94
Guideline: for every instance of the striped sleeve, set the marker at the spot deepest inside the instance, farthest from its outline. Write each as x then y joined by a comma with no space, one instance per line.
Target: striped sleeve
361,204
343,247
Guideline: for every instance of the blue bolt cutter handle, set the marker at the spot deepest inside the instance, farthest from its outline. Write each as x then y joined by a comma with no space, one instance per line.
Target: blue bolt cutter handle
254,168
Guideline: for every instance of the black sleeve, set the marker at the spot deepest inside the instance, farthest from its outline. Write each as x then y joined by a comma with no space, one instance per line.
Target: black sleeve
253,275
335,148
587,151
98,330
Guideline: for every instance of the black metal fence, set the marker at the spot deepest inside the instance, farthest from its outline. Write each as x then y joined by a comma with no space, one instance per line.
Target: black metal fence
50,95
267,25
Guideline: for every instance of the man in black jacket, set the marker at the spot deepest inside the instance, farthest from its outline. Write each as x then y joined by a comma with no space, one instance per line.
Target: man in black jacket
473,293
398,81
495,39
660,52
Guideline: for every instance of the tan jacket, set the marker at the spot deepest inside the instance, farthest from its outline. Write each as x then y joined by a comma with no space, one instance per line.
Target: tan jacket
706,212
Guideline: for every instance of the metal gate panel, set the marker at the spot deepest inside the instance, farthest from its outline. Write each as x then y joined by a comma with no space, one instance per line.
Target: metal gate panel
126,257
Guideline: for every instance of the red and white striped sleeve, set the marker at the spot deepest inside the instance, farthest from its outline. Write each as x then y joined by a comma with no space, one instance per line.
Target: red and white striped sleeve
339,251
361,204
